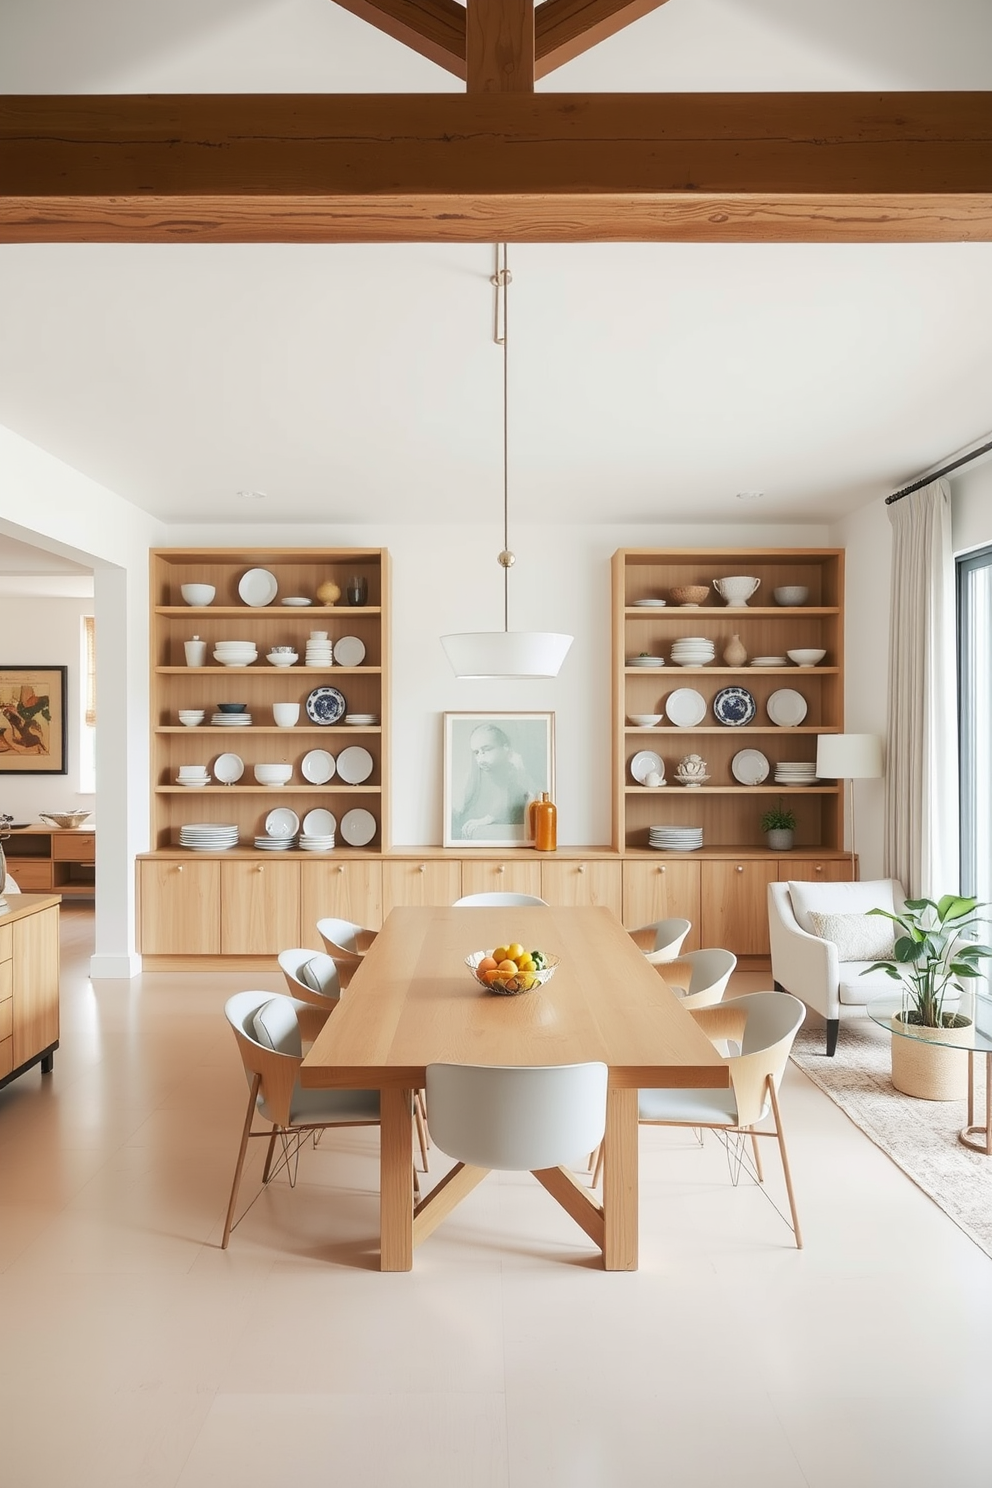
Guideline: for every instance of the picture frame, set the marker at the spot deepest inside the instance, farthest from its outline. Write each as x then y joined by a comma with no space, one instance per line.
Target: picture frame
33,736
495,764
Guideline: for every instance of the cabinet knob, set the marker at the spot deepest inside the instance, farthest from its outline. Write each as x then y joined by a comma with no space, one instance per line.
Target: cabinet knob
662,868
179,868
340,867
582,867
422,868
740,868
501,869
260,868
819,867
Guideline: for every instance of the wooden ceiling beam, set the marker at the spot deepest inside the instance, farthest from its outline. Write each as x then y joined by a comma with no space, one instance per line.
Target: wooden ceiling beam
499,46
567,28
433,28
695,167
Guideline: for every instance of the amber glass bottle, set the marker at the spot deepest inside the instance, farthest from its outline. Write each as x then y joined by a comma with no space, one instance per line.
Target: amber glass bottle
545,817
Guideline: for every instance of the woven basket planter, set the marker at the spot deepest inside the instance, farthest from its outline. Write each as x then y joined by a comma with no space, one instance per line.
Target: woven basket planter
931,1070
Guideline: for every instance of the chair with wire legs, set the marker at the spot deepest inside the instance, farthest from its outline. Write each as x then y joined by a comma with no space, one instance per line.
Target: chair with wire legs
312,976
519,1119
496,900
270,1032
764,1025
662,940
346,943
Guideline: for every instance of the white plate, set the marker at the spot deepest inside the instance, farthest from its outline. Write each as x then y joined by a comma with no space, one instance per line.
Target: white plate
318,767
749,766
787,708
685,707
646,661
358,827
320,823
349,651
282,822
258,587
643,763
355,764
228,768
296,599
644,603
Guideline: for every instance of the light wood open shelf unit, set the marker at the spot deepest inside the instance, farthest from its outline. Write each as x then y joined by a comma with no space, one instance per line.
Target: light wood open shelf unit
729,813
175,685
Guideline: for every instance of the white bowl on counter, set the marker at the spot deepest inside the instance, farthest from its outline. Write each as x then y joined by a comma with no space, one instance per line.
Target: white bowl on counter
198,594
273,774
807,657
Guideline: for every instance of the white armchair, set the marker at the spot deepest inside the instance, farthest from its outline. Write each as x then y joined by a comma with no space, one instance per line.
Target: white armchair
811,967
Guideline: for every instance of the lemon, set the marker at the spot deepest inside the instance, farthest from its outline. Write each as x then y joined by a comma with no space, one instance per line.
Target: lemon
514,950
501,953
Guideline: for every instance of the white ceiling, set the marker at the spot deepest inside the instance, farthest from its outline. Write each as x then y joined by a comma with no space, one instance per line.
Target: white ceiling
649,382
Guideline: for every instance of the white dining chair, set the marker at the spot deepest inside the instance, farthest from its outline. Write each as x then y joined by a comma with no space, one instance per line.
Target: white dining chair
535,1119
346,942
662,940
496,900
312,976
269,1031
700,977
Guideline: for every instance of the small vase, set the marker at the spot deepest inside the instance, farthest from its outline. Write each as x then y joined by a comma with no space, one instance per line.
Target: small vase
735,653
544,816
780,839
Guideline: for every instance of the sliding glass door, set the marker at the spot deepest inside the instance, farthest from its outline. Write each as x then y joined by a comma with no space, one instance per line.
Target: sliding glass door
975,693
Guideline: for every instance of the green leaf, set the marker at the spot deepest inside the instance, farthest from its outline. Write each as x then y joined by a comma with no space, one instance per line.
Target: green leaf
910,949
953,907
960,968
885,966
918,904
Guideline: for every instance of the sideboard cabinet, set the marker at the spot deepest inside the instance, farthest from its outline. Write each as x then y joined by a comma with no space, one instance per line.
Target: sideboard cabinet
29,984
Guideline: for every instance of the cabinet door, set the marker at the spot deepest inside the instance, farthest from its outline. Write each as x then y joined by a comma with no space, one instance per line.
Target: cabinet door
661,891
31,875
349,890
430,881
259,908
500,876
826,870
577,884
180,907
734,905
36,984
74,847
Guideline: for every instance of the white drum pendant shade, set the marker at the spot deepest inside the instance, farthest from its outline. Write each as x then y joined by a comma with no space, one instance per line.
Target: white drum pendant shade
506,653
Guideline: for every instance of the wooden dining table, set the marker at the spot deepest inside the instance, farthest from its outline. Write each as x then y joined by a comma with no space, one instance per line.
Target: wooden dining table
413,1002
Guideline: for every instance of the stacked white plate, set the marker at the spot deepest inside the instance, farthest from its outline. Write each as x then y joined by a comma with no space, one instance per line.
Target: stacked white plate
208,836
231,720
316,844
795,772
235,653
275,844
693,651
320,652
769,661
675,839
361,720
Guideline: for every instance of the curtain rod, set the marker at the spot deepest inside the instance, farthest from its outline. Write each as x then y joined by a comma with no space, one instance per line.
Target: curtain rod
925,480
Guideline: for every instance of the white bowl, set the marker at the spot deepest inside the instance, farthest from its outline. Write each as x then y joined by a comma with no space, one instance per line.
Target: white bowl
791,594
273,774
197,594
191,717
645,720
282,658
806,658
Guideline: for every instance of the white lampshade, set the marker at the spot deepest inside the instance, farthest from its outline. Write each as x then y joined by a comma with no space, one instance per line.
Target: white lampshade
848,756
506,653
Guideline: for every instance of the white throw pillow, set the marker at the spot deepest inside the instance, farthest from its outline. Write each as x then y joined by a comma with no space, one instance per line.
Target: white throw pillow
838,898
857,937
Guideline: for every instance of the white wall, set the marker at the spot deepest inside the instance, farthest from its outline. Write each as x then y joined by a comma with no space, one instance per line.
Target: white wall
867,537
45,632
971,508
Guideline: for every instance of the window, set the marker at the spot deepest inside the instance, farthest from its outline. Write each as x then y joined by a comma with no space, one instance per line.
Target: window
975,724
87,698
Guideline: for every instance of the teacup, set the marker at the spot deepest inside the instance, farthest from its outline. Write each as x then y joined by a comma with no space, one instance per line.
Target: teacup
737,589
285,715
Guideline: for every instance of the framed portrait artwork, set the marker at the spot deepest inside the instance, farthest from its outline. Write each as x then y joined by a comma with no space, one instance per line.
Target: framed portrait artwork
495,764
32,720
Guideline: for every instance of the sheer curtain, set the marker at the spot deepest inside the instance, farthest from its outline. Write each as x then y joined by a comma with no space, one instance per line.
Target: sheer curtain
921,795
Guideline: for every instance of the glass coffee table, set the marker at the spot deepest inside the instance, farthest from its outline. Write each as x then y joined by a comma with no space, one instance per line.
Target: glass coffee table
975,1038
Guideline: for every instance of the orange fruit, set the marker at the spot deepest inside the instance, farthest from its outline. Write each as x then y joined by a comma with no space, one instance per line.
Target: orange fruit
488,963
491,975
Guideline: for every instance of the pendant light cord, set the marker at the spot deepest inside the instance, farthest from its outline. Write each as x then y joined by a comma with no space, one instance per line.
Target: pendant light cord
502,279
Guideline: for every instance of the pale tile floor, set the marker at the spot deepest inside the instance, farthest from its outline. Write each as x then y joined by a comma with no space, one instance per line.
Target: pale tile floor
136,1354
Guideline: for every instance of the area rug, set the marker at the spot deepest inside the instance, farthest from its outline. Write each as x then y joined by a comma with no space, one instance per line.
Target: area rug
921,1137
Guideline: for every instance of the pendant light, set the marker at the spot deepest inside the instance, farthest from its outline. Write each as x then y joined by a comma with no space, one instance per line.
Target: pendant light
487,654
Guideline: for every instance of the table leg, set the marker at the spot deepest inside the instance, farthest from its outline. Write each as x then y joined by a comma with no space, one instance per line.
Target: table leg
972,1131
620,1181
396,1180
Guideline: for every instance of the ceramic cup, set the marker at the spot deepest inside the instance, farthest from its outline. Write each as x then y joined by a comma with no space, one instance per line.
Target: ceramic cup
284,715
196,652
318,635
736,590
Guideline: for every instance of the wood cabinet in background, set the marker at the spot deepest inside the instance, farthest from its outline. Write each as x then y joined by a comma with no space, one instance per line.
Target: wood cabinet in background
259,907
501,876
349,889
661,891
734,904
574,883
179,906
29,984
419,882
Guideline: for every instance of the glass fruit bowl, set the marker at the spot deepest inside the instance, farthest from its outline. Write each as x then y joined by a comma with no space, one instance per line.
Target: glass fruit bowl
504,984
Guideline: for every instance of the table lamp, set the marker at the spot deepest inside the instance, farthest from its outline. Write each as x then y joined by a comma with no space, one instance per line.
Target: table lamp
849,757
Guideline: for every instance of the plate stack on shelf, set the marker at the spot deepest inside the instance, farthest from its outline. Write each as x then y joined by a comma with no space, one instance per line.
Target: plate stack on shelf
675,839
795,772
265,843
769,661
693,651
362,720
320,651
231,720
208,836
319,827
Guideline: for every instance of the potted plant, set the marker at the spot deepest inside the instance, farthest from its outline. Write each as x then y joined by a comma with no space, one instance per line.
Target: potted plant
934,962
779,827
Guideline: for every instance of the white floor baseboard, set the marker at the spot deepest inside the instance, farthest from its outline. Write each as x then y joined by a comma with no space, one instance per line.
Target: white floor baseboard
120,968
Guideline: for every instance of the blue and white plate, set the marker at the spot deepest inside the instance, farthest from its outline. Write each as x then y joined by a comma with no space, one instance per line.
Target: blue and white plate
325,705
734,706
